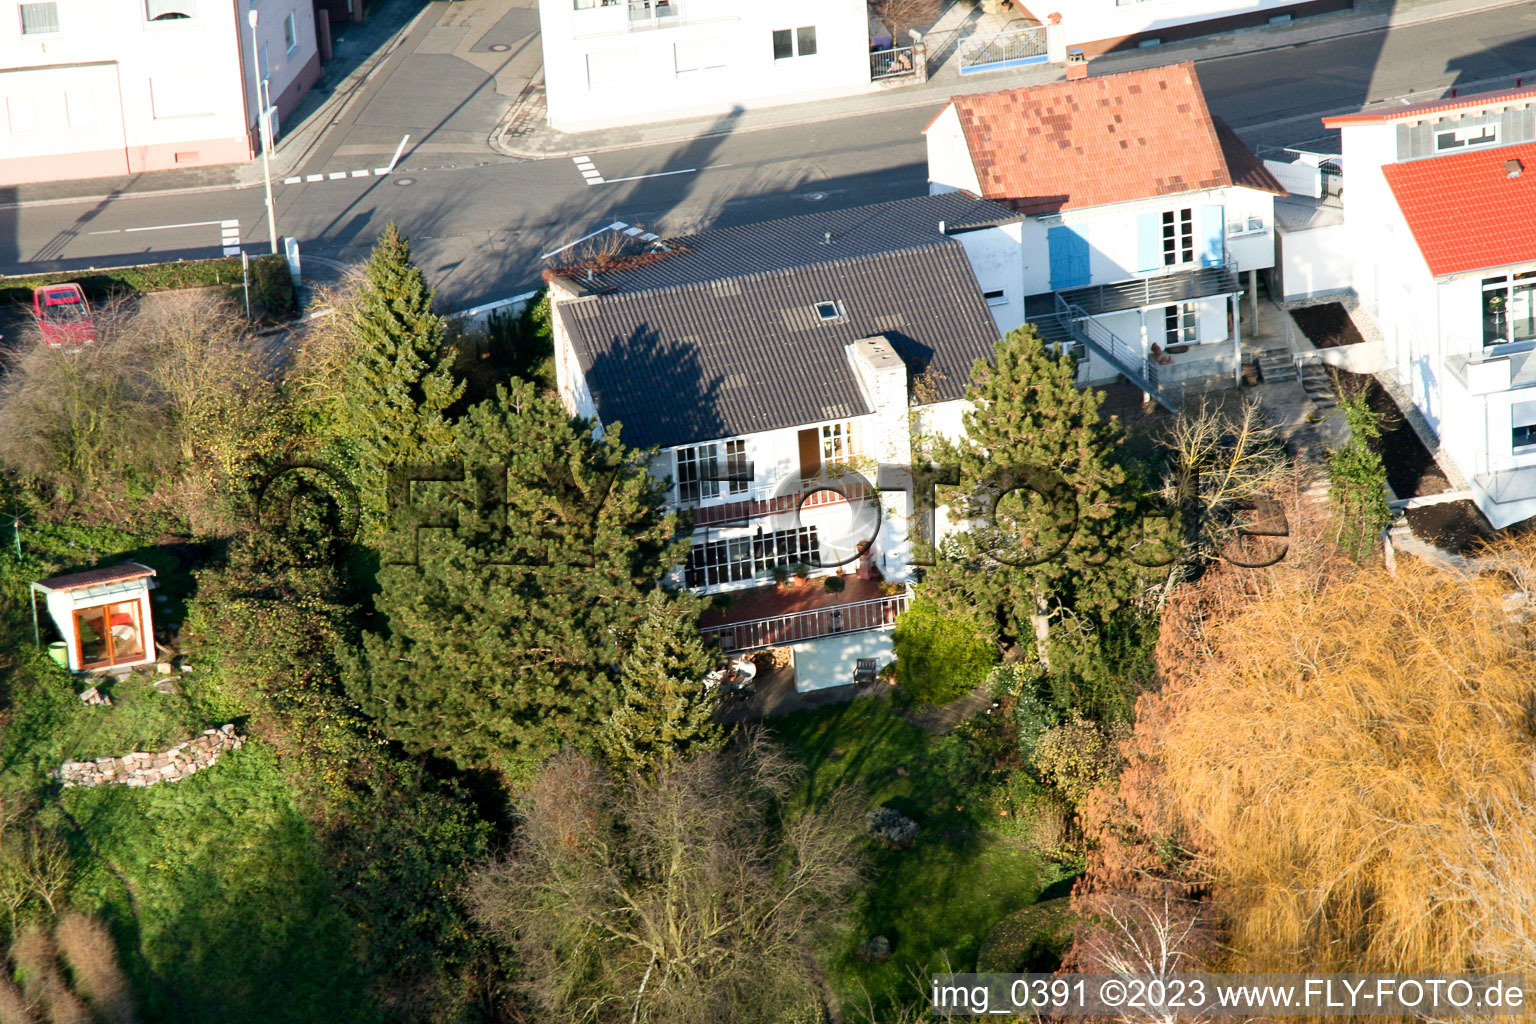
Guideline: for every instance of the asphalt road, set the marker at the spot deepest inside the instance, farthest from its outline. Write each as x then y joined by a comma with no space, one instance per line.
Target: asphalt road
479,221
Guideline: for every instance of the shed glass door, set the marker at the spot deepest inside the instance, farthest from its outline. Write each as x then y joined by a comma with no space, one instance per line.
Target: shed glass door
109,634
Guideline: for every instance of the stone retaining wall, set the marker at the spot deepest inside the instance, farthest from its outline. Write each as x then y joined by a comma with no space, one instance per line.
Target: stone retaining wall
140,769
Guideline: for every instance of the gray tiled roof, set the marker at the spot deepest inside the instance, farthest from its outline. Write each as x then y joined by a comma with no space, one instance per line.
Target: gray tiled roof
722,338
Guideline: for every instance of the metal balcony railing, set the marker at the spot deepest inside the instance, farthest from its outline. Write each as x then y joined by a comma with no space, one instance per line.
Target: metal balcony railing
654,13
1125,357
778,630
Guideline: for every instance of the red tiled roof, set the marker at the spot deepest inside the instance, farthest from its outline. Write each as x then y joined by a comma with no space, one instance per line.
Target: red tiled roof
1464,210
1097,140
1418,110
97,577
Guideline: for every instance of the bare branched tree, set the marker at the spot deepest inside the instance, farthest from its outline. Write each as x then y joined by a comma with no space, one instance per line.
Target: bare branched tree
694,897
1142,937
901,16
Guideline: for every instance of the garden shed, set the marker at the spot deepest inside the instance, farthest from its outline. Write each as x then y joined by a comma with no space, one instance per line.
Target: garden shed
103,615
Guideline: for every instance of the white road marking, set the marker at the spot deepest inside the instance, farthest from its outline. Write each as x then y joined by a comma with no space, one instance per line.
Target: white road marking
361,174
171,227
590,173
381,171
398,150
314,177
335,175
658,174
293,180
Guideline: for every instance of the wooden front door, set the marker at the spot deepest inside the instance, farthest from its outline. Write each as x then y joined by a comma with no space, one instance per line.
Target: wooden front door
810,453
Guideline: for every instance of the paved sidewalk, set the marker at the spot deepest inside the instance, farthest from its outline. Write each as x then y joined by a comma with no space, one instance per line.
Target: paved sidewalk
525,135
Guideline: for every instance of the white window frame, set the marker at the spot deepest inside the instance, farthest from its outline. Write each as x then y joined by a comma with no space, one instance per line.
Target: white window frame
1475,137
291,31
736,466
794,43
188,8
57,21
839,446
689,465
1181,324
996,297
1178,237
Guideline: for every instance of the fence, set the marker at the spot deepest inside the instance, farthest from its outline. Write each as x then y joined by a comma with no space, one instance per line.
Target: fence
891,63
1010,49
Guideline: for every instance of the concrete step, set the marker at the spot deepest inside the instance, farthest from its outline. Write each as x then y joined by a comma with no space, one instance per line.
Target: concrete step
1274,368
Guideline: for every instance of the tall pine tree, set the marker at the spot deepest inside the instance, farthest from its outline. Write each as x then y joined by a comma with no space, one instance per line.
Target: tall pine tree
663,710
1048,500
504,640
399,383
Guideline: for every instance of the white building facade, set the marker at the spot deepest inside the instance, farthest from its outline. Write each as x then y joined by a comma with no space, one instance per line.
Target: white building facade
91,88
1444,260
1145,274
616,62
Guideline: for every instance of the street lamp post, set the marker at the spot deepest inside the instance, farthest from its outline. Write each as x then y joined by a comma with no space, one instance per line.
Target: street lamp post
262,94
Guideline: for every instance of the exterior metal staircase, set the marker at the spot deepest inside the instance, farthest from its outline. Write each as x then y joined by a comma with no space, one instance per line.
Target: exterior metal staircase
1072,322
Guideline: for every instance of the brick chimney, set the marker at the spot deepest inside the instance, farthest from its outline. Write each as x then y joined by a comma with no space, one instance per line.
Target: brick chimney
1077,65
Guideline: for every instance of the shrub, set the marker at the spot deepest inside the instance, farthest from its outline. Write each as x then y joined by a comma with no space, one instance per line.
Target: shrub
1079,756
940,655
834,584
892,827
271,281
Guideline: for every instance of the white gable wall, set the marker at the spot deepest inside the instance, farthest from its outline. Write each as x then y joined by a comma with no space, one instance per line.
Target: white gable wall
949,158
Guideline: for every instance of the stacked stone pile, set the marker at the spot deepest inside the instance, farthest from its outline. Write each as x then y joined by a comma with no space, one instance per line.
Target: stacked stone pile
140,769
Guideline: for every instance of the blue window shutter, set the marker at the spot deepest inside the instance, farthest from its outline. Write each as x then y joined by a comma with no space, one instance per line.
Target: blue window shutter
1214,224
1069,258
1149,242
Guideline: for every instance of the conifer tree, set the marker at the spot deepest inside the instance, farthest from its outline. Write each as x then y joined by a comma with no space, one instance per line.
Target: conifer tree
1047,499
399,383
504,638
663,710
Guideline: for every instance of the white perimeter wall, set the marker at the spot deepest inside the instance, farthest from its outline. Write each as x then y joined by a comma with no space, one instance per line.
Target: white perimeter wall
1087,21
1314,262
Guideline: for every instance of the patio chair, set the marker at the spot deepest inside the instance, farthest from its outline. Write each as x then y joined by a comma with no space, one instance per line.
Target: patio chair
866,672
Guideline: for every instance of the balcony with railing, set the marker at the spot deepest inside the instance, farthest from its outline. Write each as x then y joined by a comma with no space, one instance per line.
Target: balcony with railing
803,610
603,16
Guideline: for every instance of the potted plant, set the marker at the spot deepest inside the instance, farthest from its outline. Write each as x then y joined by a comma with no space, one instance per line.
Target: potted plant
802,573
780,576
834,584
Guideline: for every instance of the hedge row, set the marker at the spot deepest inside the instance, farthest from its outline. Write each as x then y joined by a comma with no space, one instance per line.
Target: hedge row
269,280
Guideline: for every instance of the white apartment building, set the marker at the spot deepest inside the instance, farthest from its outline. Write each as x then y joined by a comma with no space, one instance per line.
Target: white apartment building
92,88
616,62
1140,215
1443,248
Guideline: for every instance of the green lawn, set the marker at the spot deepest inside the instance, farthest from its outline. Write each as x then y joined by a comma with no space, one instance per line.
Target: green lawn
937,901
215,886
229,906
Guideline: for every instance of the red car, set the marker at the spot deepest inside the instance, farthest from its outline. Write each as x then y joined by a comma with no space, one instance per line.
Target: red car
63,316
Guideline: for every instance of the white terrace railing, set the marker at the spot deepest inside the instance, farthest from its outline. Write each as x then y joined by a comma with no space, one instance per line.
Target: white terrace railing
777,630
